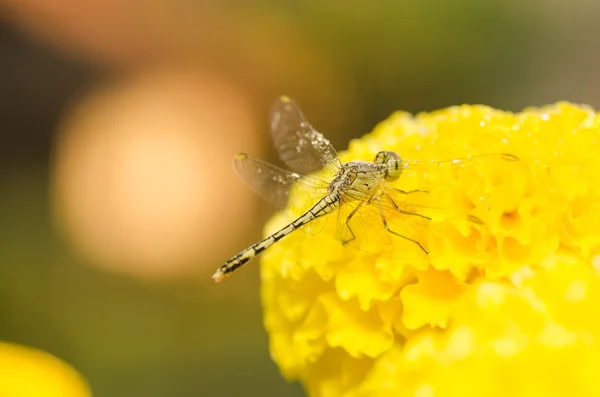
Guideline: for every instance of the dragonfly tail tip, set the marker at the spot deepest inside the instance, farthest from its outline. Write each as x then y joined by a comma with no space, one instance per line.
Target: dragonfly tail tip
218,276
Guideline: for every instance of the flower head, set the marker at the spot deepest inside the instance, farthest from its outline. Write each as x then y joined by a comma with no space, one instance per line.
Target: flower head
506,302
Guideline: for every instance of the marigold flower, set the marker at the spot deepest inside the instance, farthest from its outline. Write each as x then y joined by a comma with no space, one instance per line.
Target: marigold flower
505,306
26,372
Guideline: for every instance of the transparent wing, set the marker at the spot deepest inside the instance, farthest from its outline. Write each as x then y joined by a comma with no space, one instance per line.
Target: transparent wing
415,167
273,183
437,177
300,146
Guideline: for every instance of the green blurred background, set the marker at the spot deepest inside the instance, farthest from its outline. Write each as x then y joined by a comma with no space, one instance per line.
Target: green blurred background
118,123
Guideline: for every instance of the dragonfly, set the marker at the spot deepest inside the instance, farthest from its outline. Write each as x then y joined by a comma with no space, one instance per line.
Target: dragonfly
372,214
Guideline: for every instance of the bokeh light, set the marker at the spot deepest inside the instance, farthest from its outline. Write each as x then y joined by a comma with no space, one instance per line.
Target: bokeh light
81,28
143,181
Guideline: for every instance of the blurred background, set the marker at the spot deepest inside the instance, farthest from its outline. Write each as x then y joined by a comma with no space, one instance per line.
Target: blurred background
118,124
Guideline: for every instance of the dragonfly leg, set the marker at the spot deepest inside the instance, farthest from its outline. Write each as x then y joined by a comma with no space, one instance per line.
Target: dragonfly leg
387,227
352,213
409,191
397,208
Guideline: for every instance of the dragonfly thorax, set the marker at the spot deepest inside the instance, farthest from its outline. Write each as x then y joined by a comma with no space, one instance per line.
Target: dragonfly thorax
358,178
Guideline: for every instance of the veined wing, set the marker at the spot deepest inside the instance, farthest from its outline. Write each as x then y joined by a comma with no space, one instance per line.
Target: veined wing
273,183
433,166
408,202
299,145
430,175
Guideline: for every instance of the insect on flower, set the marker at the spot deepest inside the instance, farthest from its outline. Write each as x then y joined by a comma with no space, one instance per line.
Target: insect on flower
372,215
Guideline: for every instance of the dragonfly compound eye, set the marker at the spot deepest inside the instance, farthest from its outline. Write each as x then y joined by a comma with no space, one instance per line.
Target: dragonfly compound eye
393,163
380,158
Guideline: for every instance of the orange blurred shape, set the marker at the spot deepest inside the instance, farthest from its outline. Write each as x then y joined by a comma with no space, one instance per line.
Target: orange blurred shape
109,31
143,181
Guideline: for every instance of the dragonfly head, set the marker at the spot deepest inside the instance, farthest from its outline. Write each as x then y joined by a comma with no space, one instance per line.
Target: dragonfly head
392,163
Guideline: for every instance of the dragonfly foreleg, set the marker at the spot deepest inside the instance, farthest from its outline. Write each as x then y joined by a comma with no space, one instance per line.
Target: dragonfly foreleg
408,191
387,227
400,210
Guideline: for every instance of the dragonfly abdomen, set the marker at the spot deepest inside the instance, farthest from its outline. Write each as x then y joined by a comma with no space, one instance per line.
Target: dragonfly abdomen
323,207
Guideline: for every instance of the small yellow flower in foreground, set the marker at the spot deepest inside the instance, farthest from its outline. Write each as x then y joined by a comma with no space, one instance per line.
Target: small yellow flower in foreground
510,306
26,372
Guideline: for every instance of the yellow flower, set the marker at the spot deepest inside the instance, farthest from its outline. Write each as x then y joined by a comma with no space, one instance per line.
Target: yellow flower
505,305
26,372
